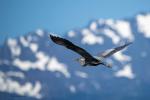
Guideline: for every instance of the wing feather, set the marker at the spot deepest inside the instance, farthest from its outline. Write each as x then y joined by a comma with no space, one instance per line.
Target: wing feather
71,46
110,52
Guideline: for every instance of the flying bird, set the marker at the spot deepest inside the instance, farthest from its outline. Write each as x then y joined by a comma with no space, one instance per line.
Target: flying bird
86,58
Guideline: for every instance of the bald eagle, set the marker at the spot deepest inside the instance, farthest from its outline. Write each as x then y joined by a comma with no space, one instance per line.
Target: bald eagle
86,58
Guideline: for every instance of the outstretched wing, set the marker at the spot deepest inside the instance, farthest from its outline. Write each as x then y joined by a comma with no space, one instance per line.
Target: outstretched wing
110,52
71,46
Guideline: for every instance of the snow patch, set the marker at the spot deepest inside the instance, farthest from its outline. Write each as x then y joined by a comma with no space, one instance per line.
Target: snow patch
24,42
11,86
29,38
81,74
40,64
121,57
15,74
6,62
125,72
72,88
109,22
53,65
143,24
71,33
27,43
13,45
23,65
33,47
93,26
90,38
56,35
122,27
40,32
115,38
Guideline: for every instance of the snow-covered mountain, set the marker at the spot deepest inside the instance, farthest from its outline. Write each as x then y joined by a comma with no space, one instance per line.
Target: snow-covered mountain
33,67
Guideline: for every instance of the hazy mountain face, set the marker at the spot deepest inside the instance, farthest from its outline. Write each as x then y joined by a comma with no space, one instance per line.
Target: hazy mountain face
33,67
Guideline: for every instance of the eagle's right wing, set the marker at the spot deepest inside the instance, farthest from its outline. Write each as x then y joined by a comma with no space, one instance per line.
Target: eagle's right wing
110,52
71,46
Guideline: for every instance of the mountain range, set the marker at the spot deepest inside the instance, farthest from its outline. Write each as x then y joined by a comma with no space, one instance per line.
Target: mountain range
33,67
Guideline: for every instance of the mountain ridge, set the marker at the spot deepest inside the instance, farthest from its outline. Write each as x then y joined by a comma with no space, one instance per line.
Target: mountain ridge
40,61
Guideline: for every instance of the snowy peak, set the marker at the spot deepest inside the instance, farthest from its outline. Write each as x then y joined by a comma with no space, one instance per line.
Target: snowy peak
143,23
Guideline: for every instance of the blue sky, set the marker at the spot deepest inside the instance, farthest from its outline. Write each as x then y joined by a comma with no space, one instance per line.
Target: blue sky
21,16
